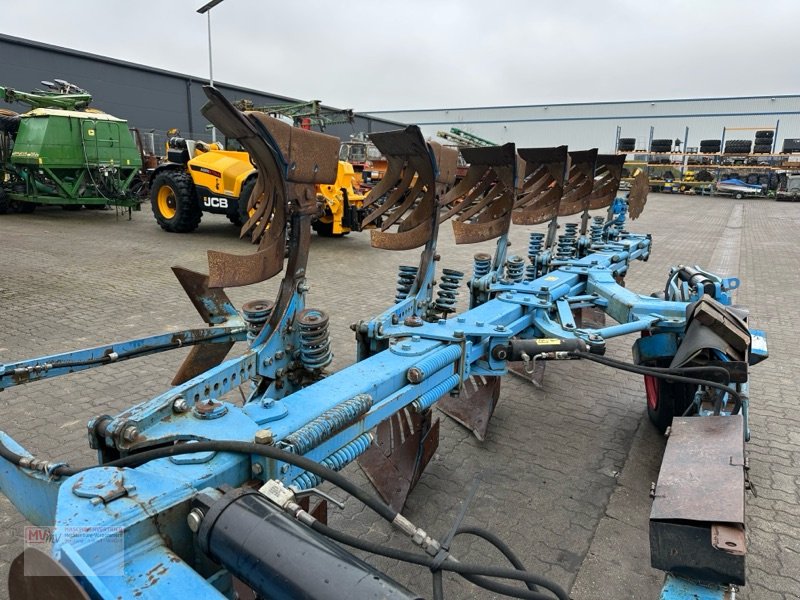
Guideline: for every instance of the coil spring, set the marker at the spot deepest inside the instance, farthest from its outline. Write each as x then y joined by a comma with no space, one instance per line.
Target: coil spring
336,461
405,279
535,244
597,229
448,290
315,343
515,269
482,264
567,242
255,314
328,423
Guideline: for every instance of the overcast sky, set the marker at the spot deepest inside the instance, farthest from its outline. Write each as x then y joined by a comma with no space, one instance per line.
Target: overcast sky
373,55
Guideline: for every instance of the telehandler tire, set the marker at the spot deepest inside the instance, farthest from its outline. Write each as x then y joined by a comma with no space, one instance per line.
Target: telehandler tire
174,202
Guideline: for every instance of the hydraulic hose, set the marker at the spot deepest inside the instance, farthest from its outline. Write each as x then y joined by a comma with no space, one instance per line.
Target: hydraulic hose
670,374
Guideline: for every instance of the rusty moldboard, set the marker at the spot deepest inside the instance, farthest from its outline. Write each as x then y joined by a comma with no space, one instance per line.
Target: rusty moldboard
579,184
481,203
474,405
404,445
213,304
637,197
697,518
408,190
608,174
541,185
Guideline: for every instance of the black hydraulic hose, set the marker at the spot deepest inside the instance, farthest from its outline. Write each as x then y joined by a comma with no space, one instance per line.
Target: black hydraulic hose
495,541
236,447
655,372
463,569
469,571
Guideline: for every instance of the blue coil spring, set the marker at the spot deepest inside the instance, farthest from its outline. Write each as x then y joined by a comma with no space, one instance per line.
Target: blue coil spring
428,366
405,279
331,421
315,343
597,229
515,269
432,395
448,290
535,244
531,272
482,264
567,244
255,313
335,462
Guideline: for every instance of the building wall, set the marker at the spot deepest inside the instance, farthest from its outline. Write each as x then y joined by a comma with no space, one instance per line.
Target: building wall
148,98
589,125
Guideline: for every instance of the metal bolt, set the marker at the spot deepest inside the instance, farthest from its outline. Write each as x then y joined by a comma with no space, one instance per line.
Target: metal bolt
285,469
415,338
478,323
180,405
458,334
263,436
257,469
130,433
279,372
279,355
194,519
405,346
500,328
461,320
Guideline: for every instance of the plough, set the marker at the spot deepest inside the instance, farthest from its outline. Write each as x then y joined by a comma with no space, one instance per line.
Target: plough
199,494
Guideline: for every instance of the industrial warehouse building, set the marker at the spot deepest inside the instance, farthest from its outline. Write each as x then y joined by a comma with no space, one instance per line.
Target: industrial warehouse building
148,98
602,124
156,99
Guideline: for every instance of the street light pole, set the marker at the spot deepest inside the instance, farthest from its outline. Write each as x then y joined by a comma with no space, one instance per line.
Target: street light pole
206,9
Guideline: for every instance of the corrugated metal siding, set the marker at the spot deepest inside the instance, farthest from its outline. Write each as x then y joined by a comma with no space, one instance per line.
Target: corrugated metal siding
595,125
146,97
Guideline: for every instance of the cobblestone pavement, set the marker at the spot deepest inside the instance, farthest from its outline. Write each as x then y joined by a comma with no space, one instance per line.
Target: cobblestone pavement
564,472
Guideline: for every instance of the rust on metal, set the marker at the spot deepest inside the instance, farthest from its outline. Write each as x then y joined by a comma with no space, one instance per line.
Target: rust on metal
541,185
637,197
404,444
729,539
579,184
213,304
481,203
608,174
475,404
233,270
200,359
406,199
711,450
34,575
517,367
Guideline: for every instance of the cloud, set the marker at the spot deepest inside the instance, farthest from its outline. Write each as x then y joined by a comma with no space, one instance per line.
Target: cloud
418,53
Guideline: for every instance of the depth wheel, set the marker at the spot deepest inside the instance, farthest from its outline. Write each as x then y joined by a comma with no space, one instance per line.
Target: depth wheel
666,400
174,202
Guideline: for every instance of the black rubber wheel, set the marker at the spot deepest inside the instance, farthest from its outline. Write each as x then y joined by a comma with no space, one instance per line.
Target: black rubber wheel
666,400
72,207
174,202
766,134
241,215
5,205
21,206
324,229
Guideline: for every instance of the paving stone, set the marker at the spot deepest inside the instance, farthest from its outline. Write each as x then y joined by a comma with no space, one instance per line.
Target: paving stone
564,470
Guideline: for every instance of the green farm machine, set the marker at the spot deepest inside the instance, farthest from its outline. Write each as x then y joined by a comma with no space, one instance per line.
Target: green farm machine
64,153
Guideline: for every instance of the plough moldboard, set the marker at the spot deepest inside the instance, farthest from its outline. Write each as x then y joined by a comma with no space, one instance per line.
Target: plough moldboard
219,490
